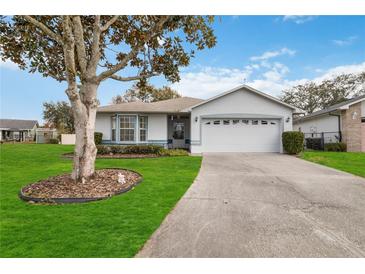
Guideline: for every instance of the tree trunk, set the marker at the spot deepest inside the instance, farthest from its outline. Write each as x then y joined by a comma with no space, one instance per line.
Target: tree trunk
84,111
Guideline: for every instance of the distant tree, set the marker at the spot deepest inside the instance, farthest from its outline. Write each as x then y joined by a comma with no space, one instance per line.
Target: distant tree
84,51
313,96
145,92
59,115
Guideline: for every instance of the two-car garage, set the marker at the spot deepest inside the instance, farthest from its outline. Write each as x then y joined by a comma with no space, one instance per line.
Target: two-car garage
241,135
240,120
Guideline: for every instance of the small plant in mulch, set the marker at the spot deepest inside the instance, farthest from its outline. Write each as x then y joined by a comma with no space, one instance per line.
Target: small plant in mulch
105,183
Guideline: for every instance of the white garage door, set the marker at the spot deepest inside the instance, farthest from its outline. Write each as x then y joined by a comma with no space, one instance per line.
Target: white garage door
240,135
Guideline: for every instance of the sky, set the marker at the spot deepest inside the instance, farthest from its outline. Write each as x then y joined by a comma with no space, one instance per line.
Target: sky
269,53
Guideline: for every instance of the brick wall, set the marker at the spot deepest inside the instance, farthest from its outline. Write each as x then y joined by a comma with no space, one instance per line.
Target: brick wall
351,128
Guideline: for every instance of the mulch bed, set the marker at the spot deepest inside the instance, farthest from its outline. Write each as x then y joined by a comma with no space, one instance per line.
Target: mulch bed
62,189
118,156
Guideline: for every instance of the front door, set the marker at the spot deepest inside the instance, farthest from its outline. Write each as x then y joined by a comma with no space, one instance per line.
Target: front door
178,134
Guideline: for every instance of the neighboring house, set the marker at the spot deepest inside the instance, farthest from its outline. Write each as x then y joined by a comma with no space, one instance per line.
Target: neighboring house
240,120
341,122
17,130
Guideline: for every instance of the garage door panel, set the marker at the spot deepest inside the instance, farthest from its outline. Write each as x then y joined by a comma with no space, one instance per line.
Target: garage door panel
241,137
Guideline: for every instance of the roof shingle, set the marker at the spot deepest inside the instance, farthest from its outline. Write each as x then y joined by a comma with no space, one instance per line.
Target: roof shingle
165,106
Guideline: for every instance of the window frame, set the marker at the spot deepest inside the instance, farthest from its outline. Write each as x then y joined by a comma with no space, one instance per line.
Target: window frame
120,128
145,128
115,118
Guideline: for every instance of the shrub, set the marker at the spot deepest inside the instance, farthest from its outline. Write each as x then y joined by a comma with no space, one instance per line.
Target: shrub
98,137
102,150
132,149
117,149
338,147
53,141
173,152
143,149
293,141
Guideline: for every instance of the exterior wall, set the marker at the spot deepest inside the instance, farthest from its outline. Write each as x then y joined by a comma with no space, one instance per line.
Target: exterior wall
103,124
157,128
351,127
156,133
241,101
324,123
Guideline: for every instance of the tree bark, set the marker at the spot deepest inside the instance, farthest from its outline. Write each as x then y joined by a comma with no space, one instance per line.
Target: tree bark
84,111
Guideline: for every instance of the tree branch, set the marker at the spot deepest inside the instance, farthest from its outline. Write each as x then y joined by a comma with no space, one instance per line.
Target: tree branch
109,23
80,44
153,33
95,50
69,53
132,78
44,28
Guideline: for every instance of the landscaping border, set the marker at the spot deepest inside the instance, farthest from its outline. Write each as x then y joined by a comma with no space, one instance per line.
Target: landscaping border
78,200
101,156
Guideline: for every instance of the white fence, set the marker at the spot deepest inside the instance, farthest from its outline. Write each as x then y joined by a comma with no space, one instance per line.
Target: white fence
68,139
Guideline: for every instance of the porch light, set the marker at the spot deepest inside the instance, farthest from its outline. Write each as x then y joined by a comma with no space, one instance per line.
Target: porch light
196,118
287,119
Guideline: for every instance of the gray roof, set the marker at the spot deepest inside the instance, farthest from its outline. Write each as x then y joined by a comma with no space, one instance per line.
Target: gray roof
17,124
165,106
331,108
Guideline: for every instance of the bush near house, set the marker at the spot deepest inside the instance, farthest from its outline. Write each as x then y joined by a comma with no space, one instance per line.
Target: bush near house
338,147
53,141
293,142
98,137
173,152
140,149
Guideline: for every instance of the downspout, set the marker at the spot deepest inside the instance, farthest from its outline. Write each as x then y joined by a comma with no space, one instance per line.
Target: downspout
339,124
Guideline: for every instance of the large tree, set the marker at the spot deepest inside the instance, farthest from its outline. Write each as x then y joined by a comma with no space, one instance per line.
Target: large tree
59,115
313,96
84,51
145,92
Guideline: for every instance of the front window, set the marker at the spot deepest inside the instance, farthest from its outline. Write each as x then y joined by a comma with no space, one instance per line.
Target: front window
143,123
127,128
114,122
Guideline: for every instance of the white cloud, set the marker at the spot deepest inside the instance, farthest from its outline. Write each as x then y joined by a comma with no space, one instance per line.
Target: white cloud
298,19
336,71
345,42
271,54
8,65
209,81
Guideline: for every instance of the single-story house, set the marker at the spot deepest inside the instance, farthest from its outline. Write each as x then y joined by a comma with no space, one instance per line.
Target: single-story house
17,130
343,122
240,120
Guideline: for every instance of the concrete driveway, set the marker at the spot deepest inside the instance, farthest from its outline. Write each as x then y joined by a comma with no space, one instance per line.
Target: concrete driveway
264,205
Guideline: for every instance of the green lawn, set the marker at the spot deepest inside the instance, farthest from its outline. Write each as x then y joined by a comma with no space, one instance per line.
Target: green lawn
352,162
116,227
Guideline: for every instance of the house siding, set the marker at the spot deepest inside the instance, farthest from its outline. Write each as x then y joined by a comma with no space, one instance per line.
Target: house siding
324,123
351,127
